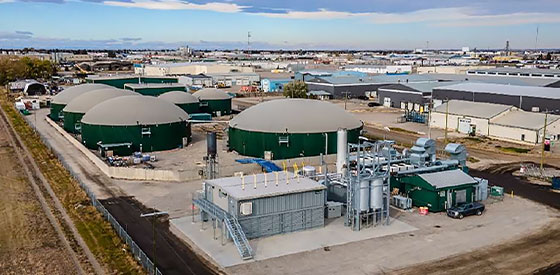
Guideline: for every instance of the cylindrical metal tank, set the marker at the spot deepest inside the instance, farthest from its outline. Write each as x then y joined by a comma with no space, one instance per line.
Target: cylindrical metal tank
362,199
376,194
341,144
211,144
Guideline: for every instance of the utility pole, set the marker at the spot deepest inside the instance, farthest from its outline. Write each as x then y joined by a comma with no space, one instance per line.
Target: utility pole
154,216
446,119
430,106
345,98
543,139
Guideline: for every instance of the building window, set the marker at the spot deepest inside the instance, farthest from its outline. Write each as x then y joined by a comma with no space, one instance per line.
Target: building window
146,131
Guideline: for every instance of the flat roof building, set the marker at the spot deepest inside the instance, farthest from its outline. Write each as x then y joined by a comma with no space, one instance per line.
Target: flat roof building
524,97
269,204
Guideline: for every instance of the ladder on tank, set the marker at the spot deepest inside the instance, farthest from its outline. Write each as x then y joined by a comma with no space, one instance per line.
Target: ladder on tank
234,228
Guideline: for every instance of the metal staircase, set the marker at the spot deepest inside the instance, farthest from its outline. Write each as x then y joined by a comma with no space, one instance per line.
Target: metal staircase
239,238
232,225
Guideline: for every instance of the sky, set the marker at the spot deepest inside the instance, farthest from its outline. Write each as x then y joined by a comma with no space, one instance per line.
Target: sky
280,24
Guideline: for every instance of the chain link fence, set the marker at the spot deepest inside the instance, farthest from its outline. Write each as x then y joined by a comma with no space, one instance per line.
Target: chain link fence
139,255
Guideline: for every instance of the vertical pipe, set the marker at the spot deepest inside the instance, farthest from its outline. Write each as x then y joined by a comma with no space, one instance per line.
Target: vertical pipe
342,140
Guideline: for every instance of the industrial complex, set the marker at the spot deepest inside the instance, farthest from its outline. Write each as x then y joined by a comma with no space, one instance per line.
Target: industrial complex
228,168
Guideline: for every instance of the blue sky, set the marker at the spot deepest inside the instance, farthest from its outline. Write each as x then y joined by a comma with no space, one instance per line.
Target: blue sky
288,24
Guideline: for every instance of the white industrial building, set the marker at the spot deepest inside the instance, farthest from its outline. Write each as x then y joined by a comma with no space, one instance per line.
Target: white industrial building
235,78
190,68
497,121
527,127
467,116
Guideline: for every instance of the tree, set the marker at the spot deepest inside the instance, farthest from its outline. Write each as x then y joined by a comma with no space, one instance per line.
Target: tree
13,68
295,89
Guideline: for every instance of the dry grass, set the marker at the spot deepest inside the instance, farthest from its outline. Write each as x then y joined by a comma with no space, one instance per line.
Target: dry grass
98,234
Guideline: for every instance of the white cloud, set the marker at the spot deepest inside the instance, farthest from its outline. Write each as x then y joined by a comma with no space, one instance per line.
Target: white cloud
440,17
177,5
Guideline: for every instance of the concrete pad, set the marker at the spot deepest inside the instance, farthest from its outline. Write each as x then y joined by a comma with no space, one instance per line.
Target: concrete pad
334,233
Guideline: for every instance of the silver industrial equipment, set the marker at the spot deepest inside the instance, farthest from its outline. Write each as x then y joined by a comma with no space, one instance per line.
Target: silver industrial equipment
367,196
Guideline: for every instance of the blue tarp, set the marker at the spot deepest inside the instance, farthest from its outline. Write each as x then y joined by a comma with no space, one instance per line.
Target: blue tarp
267,165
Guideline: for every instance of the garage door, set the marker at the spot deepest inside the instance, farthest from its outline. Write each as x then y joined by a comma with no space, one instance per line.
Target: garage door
464,125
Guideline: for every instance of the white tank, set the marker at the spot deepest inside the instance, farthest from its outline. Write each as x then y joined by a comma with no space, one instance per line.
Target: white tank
376,194
341,147
363,200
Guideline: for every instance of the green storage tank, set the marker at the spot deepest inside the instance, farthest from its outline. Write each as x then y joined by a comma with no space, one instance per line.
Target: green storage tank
183,100
155,89
60,100
145,123
214,101
118,81
75,110
291,128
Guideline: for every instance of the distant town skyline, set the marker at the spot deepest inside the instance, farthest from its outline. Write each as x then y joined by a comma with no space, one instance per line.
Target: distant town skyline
289,24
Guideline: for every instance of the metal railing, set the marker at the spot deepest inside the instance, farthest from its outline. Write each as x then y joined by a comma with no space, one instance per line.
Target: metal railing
139,255
234,228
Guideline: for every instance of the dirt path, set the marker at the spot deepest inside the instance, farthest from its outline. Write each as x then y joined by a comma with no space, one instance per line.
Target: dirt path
535,253
29,244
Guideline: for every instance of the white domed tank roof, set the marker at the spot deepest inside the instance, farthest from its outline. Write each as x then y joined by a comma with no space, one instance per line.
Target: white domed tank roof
86,101
211,94
70,93
178,97
134,110
295,116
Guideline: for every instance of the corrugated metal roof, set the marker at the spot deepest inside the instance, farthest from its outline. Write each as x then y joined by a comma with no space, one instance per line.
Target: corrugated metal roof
134,110
420,87
523,119
70,93
543,92
520,70
288,183
448,178
294,116
472,109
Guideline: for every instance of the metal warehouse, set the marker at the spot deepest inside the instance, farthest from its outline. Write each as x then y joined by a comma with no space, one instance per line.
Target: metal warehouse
184,100
289,128
268,204
524,97
155,89
135,123
410,96
440,190
75,110
527,127
214,101
118,81
60,100
467,117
